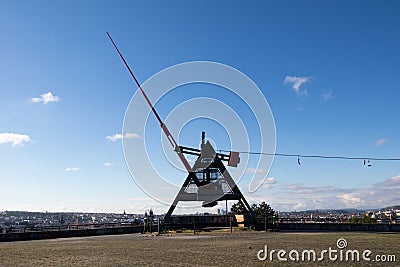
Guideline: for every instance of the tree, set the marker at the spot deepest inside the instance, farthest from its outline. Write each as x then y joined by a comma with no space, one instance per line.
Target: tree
364,219
263,210
237,208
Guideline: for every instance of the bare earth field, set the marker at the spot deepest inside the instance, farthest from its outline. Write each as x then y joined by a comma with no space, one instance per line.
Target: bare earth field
203,249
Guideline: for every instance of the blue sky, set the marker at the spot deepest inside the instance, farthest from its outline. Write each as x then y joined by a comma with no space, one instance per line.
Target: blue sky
63,90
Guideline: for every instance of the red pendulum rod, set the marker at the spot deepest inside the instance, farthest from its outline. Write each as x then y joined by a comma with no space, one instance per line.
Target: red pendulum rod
163,126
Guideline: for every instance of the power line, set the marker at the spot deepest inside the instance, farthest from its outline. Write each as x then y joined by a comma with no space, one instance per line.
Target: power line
314,156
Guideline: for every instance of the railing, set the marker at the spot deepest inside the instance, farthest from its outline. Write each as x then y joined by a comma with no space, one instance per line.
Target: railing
49,228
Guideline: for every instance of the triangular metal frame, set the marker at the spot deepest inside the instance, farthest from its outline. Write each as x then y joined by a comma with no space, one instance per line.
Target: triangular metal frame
210,190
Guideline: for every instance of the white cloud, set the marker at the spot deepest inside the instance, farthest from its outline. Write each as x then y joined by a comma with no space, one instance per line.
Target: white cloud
296,83
72,169
117,137
253,170
328,95
390,182
299,206
286,197
46,98
307,189
14,139
380,142
268,182
351,199
108,164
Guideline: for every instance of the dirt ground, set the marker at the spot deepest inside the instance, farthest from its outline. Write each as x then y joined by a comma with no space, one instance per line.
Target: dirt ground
203,249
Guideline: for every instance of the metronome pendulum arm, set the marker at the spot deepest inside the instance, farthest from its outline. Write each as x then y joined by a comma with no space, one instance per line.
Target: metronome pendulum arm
162,124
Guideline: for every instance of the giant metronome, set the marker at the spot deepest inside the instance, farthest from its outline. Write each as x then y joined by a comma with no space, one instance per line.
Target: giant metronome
208,180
